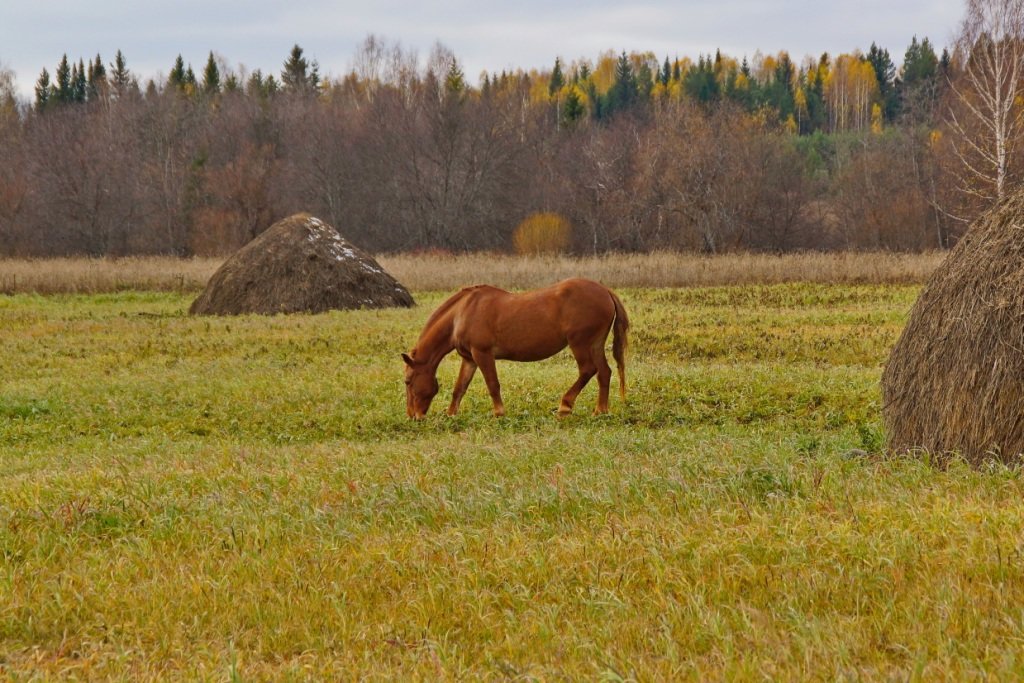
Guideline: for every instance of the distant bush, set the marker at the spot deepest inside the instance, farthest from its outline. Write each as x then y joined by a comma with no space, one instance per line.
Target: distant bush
542,233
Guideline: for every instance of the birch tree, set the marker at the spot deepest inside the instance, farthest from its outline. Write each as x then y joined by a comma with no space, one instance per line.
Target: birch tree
989,119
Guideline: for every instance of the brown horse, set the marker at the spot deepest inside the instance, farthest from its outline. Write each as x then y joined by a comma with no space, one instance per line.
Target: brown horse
484,324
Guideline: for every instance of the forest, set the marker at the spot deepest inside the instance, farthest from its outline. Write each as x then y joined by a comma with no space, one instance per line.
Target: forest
634,152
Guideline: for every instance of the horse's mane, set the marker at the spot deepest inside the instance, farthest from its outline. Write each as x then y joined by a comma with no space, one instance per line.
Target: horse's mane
445,307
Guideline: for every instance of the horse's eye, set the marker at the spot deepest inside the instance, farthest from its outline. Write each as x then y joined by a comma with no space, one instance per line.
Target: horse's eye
408,382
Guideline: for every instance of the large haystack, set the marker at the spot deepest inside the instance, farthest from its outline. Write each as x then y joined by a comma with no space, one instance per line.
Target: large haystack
300,264
955,379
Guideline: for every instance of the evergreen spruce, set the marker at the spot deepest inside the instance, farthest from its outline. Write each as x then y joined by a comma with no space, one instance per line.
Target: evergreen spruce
80,85
454,80
314,76
645,79
271,86
176,79
557,79
97,79
64,86
295,75
572,109
623,93
119,74
44,91
780,92
918,87
885,74
211,76
700,82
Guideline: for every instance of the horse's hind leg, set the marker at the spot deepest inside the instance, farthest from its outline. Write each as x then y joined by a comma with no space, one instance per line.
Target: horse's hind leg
461,384
585,360
604,377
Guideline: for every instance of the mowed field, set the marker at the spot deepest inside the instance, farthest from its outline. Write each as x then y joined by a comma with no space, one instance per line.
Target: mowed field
245,499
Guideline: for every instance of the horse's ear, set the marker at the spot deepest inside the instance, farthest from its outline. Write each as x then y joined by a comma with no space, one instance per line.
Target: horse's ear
407,359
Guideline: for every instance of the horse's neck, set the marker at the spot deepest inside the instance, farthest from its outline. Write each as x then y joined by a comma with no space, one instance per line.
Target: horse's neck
436,341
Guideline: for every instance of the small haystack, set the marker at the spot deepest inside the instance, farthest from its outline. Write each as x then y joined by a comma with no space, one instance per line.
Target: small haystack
300,264
955,379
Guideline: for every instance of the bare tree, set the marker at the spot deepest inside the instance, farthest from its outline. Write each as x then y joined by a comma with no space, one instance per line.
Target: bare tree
989,119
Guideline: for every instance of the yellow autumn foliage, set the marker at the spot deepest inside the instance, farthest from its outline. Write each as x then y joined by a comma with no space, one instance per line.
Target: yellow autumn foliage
542,233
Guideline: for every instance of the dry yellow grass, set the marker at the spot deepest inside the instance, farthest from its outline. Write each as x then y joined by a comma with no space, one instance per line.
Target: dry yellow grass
440,272
93,276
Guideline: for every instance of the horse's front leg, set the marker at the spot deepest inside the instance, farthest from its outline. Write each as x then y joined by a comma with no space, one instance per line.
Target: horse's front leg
461,384
485,359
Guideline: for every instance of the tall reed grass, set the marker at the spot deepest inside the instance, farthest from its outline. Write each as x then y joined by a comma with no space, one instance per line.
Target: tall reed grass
425,272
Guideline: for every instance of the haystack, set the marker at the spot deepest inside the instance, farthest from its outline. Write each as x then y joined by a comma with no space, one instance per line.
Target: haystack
954,382
300,264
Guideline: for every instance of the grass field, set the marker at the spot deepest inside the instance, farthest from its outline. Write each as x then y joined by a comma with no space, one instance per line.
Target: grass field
245,499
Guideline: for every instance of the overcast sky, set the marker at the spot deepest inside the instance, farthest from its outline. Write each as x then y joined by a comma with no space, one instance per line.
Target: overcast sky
483,35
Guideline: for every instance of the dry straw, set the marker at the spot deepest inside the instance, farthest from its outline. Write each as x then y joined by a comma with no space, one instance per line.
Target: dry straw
954,382
300,264
448,272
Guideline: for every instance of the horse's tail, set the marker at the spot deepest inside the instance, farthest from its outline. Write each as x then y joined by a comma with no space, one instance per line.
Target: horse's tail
620,341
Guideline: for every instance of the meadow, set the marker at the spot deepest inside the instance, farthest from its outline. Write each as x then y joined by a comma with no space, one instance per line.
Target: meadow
245,499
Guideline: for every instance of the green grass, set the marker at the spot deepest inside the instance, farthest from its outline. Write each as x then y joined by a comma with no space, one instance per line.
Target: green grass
245,499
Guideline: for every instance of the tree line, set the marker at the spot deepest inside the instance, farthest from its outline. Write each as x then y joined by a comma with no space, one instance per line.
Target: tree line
636,152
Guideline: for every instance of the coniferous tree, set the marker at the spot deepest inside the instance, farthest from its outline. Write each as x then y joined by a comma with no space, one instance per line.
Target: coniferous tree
700,82
454,80
271,85
557,79
119,74
176,79
666,73
80,85
44,91
815,93
64,86
780,92
211,76
314,76
295,75
623,93
97,78
254,86
644,81
918,86
74,82
885,74
190,77
572,109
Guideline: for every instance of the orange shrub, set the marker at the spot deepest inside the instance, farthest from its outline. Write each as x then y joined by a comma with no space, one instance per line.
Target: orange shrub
542,233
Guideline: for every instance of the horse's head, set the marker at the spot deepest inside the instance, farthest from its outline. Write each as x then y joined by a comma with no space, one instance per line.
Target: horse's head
420,386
